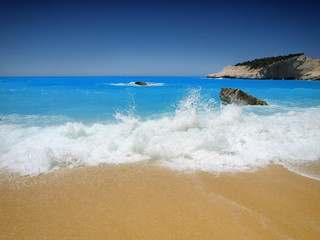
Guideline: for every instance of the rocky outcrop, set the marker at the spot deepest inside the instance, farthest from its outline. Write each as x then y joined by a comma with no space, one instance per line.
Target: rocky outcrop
236,96
295,68
141,83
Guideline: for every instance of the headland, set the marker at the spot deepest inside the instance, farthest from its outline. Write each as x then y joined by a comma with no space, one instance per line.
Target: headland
289,67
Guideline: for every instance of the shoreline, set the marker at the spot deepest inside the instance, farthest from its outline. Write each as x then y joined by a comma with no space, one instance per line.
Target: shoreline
144,201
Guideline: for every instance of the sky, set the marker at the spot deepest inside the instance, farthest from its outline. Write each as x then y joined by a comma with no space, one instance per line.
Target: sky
150,38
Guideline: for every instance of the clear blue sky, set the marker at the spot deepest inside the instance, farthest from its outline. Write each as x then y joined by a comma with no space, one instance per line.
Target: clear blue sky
150,38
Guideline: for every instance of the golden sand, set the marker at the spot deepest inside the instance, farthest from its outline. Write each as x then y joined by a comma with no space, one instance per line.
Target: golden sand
142,201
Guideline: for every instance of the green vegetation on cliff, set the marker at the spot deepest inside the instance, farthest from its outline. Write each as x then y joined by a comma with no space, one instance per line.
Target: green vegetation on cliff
264,62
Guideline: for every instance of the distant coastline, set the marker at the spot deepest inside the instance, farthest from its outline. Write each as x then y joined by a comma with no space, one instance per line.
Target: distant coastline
289,67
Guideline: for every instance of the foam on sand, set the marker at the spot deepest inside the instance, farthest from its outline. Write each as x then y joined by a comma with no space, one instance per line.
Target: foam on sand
142,201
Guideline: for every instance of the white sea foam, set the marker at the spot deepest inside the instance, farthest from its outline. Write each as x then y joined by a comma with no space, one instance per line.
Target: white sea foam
200,135
133,84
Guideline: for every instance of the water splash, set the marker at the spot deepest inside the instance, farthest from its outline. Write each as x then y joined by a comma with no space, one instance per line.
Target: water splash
199,135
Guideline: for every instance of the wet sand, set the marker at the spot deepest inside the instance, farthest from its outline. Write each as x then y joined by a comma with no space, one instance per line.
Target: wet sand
142,201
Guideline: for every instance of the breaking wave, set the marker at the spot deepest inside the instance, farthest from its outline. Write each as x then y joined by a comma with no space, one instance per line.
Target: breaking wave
199,135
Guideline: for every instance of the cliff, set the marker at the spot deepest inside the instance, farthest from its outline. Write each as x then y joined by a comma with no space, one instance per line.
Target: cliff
299,67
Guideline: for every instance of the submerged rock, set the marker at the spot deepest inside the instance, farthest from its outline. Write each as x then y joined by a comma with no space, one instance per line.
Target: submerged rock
141,83
236,96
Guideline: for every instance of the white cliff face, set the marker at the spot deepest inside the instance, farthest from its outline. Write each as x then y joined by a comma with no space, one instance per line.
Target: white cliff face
237,72
297,68
309,67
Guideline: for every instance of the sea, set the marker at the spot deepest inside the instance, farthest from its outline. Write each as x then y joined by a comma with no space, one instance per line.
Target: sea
51,123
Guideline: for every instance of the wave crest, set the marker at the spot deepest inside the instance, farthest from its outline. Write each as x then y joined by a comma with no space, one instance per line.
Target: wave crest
199,135
132,84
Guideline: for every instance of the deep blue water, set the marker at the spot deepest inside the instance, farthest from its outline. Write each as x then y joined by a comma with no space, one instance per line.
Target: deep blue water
91,99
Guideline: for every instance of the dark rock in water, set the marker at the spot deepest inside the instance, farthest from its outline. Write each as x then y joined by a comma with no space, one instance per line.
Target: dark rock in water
236,96
141,83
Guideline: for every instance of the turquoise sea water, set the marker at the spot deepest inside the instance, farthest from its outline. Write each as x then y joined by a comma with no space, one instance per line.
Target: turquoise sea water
54,122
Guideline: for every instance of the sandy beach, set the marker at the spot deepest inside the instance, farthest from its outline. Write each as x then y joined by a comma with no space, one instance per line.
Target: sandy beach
143,201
